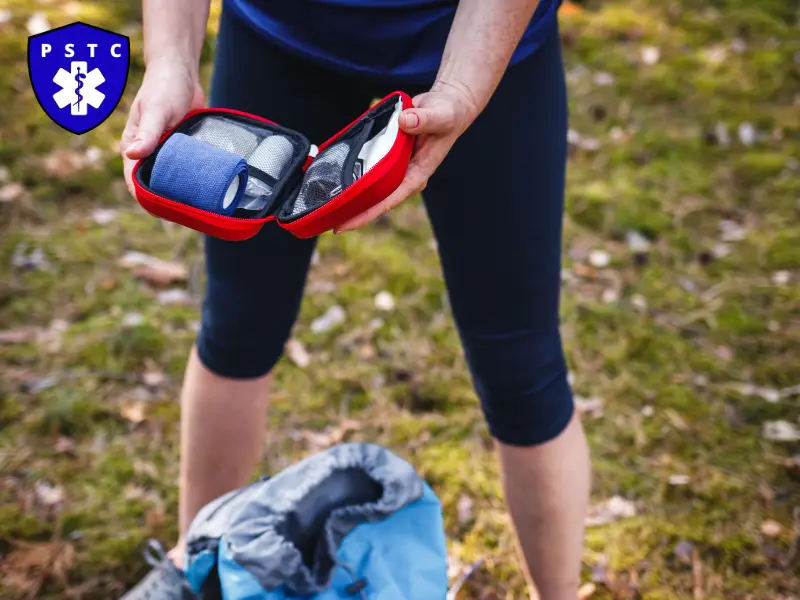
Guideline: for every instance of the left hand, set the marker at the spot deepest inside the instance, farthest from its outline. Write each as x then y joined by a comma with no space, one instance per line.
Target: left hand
438,118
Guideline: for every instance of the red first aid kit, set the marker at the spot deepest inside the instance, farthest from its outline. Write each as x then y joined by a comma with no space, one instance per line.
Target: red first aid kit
307,191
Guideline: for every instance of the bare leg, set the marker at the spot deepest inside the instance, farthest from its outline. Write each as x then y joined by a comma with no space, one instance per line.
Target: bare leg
547,491
223,423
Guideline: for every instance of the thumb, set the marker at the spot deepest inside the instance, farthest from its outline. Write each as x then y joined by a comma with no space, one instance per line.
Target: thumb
438,119
152,124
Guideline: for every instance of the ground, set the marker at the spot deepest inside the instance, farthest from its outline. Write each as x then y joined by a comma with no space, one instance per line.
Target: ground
681,313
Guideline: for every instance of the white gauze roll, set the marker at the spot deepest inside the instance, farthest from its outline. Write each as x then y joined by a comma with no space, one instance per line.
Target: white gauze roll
272,155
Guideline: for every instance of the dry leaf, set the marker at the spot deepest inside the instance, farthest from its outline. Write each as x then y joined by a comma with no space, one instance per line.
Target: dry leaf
50,339
297,353
20,335
318,440
678,480
321,286
732,231
64,445
591,407
748,389
33,259
367,351
793,463
650,55
384,301
684,552
770,528
154,270
600,570
613,509
569,9
132,320
174,297
10,192
464,509
104,216
676,420
636,242
599,259
37,23
781,431
639,302
454,566
133,412
333,317
610,296
154,378
29,564
48,495
747,134
93,155
164,274
145,468
63,162
603,79
155,518
779,278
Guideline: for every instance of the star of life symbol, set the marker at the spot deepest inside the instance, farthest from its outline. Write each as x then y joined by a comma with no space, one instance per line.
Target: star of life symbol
78,88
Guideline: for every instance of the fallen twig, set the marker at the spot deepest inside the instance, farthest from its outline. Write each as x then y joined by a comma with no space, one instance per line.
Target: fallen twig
453,593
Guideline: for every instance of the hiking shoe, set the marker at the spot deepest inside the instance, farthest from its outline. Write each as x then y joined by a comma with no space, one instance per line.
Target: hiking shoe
164,582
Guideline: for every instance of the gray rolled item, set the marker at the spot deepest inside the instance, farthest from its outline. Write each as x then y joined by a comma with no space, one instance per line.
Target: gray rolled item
272,156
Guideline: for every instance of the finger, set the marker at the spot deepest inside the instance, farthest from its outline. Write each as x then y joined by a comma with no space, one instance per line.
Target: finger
131,127
410,186
127,170
440,119
152,124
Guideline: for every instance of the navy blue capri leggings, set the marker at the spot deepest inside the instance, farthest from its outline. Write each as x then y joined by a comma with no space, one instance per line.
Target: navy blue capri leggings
502,269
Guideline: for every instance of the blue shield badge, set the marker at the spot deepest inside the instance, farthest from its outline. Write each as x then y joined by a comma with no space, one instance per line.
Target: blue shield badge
78,73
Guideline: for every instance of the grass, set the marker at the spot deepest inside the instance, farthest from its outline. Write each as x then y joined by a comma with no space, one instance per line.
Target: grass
686,344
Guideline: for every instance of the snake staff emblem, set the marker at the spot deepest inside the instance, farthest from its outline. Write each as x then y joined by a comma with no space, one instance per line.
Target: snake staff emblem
79,77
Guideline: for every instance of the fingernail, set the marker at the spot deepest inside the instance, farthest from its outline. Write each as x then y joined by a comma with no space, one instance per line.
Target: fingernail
134,146
412,120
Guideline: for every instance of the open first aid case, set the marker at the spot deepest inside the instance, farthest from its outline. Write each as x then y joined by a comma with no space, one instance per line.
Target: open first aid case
306,190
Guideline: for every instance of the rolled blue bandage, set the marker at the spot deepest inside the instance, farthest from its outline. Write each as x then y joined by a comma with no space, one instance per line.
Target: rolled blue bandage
200,175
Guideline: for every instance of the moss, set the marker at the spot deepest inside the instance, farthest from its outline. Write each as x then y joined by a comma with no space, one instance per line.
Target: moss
708,324
755,167
68,412
784,250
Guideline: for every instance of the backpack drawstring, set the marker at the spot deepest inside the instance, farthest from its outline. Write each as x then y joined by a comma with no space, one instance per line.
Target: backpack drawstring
154,553
155,556
359,583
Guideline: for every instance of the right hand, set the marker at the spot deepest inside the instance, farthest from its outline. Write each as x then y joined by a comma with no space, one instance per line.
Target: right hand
169,90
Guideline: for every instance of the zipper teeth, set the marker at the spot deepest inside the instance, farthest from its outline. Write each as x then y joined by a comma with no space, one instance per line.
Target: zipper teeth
242,220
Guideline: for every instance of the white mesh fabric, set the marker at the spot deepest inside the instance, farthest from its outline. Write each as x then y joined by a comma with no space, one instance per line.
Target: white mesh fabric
225,134
322,180
272,155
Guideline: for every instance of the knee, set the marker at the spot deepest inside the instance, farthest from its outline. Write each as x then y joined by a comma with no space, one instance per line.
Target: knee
521,379
237,338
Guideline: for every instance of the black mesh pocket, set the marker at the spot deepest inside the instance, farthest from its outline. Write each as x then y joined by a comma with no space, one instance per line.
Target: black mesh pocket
323,179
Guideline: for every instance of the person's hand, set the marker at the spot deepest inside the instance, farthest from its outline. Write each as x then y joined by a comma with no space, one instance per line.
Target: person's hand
438,118
169,90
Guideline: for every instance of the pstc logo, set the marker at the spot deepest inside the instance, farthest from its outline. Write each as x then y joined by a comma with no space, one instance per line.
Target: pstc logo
78,73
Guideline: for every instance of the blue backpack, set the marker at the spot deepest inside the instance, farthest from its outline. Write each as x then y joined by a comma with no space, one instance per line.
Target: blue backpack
353,522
